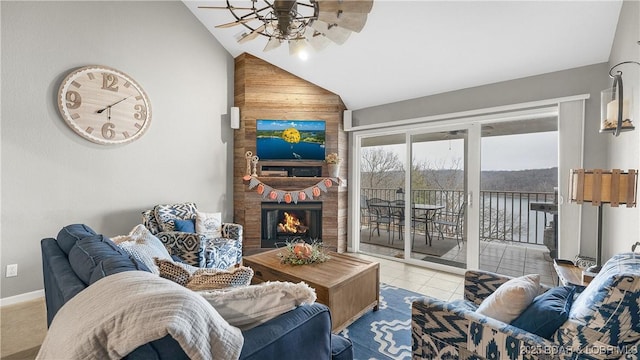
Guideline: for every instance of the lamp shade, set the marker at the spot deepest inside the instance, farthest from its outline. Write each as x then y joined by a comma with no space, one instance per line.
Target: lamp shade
599,186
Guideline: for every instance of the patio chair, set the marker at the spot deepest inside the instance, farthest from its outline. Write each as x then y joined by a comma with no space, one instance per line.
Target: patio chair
379,213
364,209
451,222
397,218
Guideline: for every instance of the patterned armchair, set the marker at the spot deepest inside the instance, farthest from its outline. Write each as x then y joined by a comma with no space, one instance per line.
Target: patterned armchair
197,249
604,321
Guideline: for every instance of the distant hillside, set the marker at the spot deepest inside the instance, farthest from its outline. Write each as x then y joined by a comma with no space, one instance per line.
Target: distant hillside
521,180
534,180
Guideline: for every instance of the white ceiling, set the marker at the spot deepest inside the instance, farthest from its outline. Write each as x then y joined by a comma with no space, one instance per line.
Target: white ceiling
410,49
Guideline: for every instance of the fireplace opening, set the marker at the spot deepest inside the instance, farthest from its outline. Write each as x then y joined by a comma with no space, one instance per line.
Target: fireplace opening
289,222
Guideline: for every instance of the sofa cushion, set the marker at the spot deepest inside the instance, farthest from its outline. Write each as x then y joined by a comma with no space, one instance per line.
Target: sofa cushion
249,306
166,214
209,224
185,225
143,246
547,312
511,298
87,253
69,234
341,348
115,264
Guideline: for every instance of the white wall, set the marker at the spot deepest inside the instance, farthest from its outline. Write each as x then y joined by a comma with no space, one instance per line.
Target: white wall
51,177
622,225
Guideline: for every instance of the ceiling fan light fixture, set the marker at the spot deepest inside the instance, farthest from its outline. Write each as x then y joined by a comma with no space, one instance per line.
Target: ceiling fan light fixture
299,48
315,21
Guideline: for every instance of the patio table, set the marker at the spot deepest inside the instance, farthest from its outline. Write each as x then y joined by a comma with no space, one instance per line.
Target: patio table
426,211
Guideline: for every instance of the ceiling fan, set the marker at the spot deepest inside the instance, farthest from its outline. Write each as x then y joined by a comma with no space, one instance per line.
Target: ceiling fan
297,22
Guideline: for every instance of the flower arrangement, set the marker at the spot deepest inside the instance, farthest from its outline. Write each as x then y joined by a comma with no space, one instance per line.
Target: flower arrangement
301,253
332,158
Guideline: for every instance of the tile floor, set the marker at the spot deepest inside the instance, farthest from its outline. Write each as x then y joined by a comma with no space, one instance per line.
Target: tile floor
438,284
500,257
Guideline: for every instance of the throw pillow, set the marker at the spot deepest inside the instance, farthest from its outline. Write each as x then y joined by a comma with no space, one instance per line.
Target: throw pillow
249,306
87,253
547,312
511,298
185,225
167,214
204,279
70,234
208,279
114,265
209,224
177,272
144,246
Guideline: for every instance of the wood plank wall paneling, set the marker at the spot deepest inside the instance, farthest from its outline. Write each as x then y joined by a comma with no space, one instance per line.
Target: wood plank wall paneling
264,91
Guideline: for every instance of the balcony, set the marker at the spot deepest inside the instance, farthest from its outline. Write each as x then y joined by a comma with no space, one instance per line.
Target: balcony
514,239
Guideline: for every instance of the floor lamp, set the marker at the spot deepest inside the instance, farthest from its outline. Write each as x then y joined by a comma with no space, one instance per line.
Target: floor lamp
613,187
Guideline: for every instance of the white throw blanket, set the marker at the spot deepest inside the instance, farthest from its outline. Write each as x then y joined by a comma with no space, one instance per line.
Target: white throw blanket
121,312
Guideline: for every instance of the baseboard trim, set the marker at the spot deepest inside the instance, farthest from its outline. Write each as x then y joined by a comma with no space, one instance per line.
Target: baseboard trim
11,300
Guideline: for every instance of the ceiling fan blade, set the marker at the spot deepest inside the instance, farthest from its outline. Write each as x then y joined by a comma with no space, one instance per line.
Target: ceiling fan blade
357,6
297,47
318,41
224,8
273,43
334,33
351,21
234,23
252,35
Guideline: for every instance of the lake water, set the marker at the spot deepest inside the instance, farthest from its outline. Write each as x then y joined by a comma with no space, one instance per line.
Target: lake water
278,149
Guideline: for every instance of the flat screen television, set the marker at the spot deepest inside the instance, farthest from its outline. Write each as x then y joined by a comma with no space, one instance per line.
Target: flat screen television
290,139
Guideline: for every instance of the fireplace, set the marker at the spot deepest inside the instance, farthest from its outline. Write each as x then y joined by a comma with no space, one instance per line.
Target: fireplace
289,222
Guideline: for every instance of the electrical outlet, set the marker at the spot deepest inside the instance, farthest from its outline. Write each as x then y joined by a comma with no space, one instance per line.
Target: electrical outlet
12,270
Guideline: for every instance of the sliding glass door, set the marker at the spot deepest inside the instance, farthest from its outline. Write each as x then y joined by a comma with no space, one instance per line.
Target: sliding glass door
436,200
465,195
382,178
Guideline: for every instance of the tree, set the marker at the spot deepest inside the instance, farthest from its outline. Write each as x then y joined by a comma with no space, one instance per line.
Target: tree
381,168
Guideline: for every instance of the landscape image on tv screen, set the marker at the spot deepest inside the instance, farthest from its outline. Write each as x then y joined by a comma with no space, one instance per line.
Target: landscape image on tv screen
290,139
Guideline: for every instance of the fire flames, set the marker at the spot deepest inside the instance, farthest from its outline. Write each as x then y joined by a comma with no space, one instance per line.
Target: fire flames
292,225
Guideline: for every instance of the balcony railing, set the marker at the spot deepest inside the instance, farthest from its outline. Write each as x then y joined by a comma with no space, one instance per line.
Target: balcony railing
504,215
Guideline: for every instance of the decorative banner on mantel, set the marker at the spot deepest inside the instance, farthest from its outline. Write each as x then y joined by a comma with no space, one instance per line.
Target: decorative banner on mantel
289,196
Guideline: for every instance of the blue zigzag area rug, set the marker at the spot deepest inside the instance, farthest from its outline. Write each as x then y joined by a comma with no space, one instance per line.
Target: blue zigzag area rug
384,334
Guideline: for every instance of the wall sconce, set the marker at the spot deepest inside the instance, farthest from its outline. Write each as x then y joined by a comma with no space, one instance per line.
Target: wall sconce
616,105
399,194
599,187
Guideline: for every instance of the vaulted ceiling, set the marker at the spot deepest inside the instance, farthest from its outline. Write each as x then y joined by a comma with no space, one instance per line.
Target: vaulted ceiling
410,49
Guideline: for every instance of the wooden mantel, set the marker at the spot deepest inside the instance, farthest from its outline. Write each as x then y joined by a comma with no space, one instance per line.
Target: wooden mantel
264,91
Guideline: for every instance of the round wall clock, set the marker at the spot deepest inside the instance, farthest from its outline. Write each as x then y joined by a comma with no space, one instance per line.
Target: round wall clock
104,105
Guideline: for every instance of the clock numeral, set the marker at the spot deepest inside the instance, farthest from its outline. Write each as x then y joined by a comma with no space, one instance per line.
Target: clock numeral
109,82
141,112
73,99
107,131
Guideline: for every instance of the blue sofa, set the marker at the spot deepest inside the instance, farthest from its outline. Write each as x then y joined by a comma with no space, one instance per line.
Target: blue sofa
304,330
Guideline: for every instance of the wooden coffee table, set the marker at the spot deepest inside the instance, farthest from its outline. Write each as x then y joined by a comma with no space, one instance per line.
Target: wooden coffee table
347,285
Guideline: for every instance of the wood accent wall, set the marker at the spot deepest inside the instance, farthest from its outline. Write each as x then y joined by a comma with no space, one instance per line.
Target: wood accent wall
264,91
